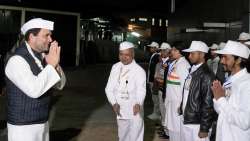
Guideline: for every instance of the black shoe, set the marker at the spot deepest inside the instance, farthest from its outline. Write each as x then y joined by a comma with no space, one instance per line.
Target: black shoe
158,125
160,132
163,136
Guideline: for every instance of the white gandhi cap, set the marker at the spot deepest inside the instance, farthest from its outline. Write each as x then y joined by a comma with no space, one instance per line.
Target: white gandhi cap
244,36
197,46
37,23
126,45
214,46
236,49
222,45
154,44
165,46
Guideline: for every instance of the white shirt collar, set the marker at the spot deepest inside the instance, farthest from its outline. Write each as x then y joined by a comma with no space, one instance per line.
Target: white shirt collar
216,59
164,60
238,75
128,65
195,67
38,62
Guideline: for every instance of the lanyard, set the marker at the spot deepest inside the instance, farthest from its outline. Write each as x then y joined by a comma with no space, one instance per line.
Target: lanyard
228,83
227,86
122,75
171,67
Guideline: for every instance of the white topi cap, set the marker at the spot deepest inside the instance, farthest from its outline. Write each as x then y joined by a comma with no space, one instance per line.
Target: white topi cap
222,45
37,23
126,45
165,46
244,36
154,44
235,48
197,46
214,47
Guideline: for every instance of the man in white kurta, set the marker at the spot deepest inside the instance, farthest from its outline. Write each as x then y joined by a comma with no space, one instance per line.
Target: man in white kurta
177,74
126,90
30,79
231,100
159,80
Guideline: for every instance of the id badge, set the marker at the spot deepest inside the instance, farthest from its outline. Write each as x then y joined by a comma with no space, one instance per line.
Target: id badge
228,93
124,95
187,83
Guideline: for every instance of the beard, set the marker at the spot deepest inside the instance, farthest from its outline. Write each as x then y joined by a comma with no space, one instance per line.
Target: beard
43,48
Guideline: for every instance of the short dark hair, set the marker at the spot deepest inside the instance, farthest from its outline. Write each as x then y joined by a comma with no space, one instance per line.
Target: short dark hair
33,31
180,45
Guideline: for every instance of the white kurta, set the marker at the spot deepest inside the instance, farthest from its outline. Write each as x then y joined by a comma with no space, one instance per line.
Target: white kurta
18,71
127,87
159,73
34,132
178,71
234,110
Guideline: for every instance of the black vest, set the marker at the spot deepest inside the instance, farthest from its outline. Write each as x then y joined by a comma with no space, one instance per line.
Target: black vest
22,109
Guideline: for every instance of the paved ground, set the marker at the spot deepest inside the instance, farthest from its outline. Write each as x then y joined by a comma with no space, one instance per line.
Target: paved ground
81,112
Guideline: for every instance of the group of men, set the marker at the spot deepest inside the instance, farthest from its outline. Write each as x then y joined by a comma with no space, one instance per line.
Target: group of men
193,95
196,99
187,93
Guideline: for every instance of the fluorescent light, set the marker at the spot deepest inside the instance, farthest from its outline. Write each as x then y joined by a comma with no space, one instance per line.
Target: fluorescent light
135,34
132,20
215,24
153,21
99,20
143,19
194,30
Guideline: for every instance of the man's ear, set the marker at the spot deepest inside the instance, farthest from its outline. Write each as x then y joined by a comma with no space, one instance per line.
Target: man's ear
238,61
31,37
202,54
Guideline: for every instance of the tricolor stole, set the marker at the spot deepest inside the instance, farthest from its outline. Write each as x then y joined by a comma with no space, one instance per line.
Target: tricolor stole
173,78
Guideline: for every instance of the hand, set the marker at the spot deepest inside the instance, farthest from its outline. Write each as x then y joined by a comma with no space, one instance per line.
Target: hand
217,89
116,108
53,57
203,134
164,66
159,80
136,109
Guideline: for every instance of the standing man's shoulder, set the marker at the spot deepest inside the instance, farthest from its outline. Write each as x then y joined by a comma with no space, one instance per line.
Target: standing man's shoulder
139,69
116,65
185,62
156,57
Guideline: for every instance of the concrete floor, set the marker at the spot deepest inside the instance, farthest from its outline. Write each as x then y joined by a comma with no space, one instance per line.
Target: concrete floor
82,112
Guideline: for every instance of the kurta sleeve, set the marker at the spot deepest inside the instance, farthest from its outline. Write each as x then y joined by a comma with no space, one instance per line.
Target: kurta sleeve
18,71
110,87
240,115
140,86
